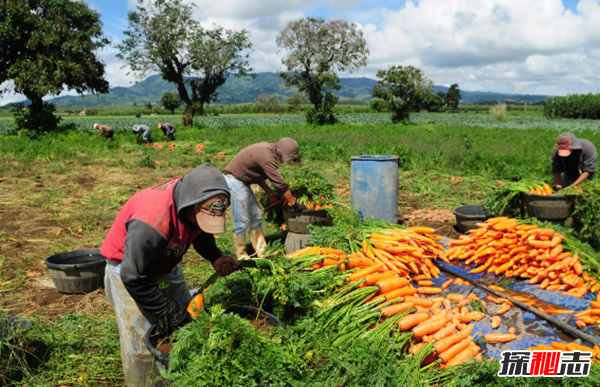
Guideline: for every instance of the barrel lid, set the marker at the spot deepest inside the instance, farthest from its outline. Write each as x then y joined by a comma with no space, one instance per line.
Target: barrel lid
375,158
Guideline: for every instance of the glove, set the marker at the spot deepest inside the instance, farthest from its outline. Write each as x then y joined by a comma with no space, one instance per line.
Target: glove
556,189
299,207
175,317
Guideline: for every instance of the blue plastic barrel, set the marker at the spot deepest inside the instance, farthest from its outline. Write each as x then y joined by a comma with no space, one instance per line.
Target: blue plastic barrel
374,186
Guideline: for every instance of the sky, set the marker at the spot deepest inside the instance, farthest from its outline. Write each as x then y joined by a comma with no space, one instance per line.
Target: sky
549,47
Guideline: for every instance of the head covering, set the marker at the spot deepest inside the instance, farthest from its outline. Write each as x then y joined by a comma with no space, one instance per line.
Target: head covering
287,148
96,126
566,143
210,214
201,184
160,125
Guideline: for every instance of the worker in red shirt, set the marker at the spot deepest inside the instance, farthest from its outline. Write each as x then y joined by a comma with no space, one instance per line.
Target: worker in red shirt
143,280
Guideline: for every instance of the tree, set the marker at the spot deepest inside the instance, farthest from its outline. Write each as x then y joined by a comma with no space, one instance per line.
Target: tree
148,105
170,101
297,100
453,96
314,51
266,99
403,88
47,46
433,102
163,38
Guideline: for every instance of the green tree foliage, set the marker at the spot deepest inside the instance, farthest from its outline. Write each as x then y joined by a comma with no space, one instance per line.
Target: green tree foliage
403,88
573,106
297,100
267,99
380,105
47,46
453,96
315,50
163,38
432,102
170,101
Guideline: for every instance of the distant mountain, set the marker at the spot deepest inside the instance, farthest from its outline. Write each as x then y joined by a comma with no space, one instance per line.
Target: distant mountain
243,90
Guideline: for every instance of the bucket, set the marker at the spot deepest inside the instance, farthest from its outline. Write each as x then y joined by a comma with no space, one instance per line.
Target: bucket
298,221
469,215
548,207
78,271
244,311
374,186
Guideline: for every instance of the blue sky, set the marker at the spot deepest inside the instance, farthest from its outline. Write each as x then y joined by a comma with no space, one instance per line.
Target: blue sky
547,47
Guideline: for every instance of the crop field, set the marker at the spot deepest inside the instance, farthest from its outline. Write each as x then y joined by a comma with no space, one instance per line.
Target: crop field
62,193
519,121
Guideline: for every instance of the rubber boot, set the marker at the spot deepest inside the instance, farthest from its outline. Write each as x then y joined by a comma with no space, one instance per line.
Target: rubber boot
240,247
258,241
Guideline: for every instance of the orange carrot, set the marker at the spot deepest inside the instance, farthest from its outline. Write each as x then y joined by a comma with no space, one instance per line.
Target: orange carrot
445,343
429,290
392,310
448,354
425,283
505,308
444,332
387,285
447,283
304,251
499,337
354,262
373,278
405,291
455,297
495,321
424,302
411,320
473,316
539,244
361,273
429,326
461,357
422,230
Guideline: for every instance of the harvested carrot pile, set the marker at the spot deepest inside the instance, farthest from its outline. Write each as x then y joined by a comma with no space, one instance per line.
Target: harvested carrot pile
504,247
556,346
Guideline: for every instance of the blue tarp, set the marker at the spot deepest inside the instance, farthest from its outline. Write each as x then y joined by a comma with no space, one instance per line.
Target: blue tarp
530,329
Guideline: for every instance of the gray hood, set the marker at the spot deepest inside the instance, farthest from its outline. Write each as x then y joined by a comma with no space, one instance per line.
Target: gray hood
286,149
202,183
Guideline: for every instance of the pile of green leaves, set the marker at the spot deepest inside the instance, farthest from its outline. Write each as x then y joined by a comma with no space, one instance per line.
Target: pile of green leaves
276,285
227,350
307,185
505,200
587,210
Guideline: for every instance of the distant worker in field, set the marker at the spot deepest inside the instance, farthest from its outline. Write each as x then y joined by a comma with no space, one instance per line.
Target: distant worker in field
105,131
254,165
142,131
573,160
168,130
143,279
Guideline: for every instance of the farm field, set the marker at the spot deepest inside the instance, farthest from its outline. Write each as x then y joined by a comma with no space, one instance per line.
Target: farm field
63,192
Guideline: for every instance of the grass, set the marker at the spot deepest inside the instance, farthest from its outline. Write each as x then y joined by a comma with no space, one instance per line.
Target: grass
52,187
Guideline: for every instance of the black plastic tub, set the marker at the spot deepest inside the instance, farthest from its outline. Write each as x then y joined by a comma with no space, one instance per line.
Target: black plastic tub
244,311
298,221
469,215
78,271
548,207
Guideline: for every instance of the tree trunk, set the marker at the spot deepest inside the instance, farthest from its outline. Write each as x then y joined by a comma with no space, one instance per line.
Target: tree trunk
37,104
188,115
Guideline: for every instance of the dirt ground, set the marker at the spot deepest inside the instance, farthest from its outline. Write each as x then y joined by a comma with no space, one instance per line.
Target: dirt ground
48,209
